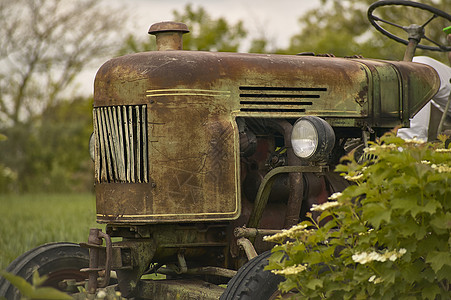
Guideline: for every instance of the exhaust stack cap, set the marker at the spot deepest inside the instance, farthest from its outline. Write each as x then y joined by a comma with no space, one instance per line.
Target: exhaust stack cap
169,35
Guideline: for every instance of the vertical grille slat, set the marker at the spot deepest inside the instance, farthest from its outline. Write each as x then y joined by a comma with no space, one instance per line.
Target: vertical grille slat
120,145
127,142
144,140
104,162
138,144
107,142
112,143
131,145
121,139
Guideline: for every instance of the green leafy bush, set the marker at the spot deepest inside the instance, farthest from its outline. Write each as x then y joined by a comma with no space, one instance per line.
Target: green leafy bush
388,236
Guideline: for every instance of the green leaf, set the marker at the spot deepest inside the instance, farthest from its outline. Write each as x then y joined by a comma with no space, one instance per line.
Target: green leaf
389,277
31,292
314,258
325,214
20,283
438,259
371,288
421,233
37,280
443,273
276,260
376,213
405,226
49,293
410,203
442,221
288,285
354,191
314,283
431,206
430,291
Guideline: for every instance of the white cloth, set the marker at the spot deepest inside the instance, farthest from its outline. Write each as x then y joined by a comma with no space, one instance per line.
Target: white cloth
420,122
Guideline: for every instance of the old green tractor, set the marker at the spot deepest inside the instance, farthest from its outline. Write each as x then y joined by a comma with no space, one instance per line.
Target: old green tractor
199,154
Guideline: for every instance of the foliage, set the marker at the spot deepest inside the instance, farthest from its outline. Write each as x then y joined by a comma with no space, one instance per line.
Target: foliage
385,237
55,144
342,28
45,44
209,34
34,290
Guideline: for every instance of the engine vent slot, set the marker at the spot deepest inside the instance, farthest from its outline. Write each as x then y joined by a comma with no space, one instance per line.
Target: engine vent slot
121,144
278,99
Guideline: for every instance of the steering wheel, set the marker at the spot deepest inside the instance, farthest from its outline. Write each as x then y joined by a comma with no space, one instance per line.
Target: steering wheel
415,32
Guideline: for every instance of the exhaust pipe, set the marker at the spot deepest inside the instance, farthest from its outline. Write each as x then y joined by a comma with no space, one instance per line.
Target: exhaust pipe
169,35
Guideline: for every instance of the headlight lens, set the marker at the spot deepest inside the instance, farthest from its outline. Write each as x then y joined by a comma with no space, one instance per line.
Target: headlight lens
92,147
304,139
312,138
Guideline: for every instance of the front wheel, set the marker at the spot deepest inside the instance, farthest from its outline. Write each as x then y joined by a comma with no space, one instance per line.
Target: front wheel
252,282
57,261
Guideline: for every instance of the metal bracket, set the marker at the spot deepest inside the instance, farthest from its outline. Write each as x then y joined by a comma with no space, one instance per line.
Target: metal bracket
182,263
251,233
95,245
247,247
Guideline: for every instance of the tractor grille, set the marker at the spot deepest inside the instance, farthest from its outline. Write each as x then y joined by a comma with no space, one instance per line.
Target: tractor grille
121,144
277,99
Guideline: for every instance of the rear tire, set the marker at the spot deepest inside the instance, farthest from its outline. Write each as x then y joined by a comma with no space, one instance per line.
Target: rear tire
58,261
252,282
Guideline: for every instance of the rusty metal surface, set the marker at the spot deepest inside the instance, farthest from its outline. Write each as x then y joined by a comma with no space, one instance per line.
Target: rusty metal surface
419,84
201,242
183,289
168,35
212,271
251,233
268,85
248,248
400,90
191,101
168,26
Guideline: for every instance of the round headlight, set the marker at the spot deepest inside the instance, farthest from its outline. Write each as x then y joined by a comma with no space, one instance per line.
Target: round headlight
312,138
92,147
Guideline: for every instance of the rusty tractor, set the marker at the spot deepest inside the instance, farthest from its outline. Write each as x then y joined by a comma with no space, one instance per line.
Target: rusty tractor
200,154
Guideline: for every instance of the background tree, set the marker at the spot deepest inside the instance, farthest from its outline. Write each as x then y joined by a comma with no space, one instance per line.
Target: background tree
342,28
45,44
209,34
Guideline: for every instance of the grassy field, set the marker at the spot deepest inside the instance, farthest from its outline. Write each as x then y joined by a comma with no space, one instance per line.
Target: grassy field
28,221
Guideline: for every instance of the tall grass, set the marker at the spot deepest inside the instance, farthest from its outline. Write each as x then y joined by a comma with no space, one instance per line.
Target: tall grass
27,221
